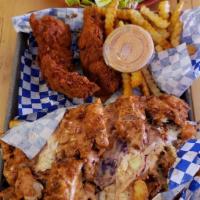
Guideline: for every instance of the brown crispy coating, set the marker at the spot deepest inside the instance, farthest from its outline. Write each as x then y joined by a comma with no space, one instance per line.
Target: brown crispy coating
64,180
86,137
157,177
69,83
81,129
55,58
53,37
26,186
104,76
8,194
167,107
126,119
91,54
13,159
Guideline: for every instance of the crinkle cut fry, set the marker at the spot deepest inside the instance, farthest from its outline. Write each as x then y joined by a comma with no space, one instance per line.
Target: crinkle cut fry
136,18
154,18
151,83
111,13
145,88
176,34
127,89
164,9
165,34
175,17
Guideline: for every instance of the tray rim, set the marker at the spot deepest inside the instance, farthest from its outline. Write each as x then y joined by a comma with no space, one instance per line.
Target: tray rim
13,92
13,89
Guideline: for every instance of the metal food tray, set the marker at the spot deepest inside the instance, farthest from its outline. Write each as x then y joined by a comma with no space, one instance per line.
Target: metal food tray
13,93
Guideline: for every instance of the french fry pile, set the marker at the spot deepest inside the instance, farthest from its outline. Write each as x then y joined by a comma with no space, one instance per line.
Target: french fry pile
165,28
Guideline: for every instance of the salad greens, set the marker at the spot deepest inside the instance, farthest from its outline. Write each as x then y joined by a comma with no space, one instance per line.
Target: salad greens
102,3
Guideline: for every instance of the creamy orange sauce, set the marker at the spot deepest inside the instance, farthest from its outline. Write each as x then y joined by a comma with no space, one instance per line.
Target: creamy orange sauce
128,48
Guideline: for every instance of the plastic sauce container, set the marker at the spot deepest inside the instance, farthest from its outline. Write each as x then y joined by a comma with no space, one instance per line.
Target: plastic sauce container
128,48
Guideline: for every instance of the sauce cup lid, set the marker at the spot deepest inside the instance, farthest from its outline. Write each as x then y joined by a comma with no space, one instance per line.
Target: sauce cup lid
128,48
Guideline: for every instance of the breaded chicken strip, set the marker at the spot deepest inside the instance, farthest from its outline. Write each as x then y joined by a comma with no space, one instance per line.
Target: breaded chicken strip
55,58
91,54
69,83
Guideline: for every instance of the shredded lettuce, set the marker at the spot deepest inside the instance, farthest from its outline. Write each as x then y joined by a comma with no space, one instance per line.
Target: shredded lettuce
129,3
124,3
87,2
72,2
102,3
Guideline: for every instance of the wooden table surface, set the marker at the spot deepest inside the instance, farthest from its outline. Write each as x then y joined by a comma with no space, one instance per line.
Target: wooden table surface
12,8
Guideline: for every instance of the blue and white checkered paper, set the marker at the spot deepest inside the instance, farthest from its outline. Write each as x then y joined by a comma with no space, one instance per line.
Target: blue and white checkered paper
173,71
71,16
191,34
182,179
35,98
31,137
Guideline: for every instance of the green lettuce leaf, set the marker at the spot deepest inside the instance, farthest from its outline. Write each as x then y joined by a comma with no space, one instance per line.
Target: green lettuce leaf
102,3
87,2
123,3
72,2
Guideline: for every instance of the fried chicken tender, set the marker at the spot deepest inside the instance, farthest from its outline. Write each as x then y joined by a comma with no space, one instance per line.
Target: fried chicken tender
26,186
18,175
179,107
13,159
55,58
168,108
126,117
64,180
8,194
99,147
63,81
104,76
81,129
82,134
157,178
91,54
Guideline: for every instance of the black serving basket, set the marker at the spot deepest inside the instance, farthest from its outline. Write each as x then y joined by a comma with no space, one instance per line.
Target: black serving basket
13,93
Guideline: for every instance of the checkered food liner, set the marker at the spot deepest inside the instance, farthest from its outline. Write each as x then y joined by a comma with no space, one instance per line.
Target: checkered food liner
35,98
191,34
173,71
71,16
30,137
182,179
